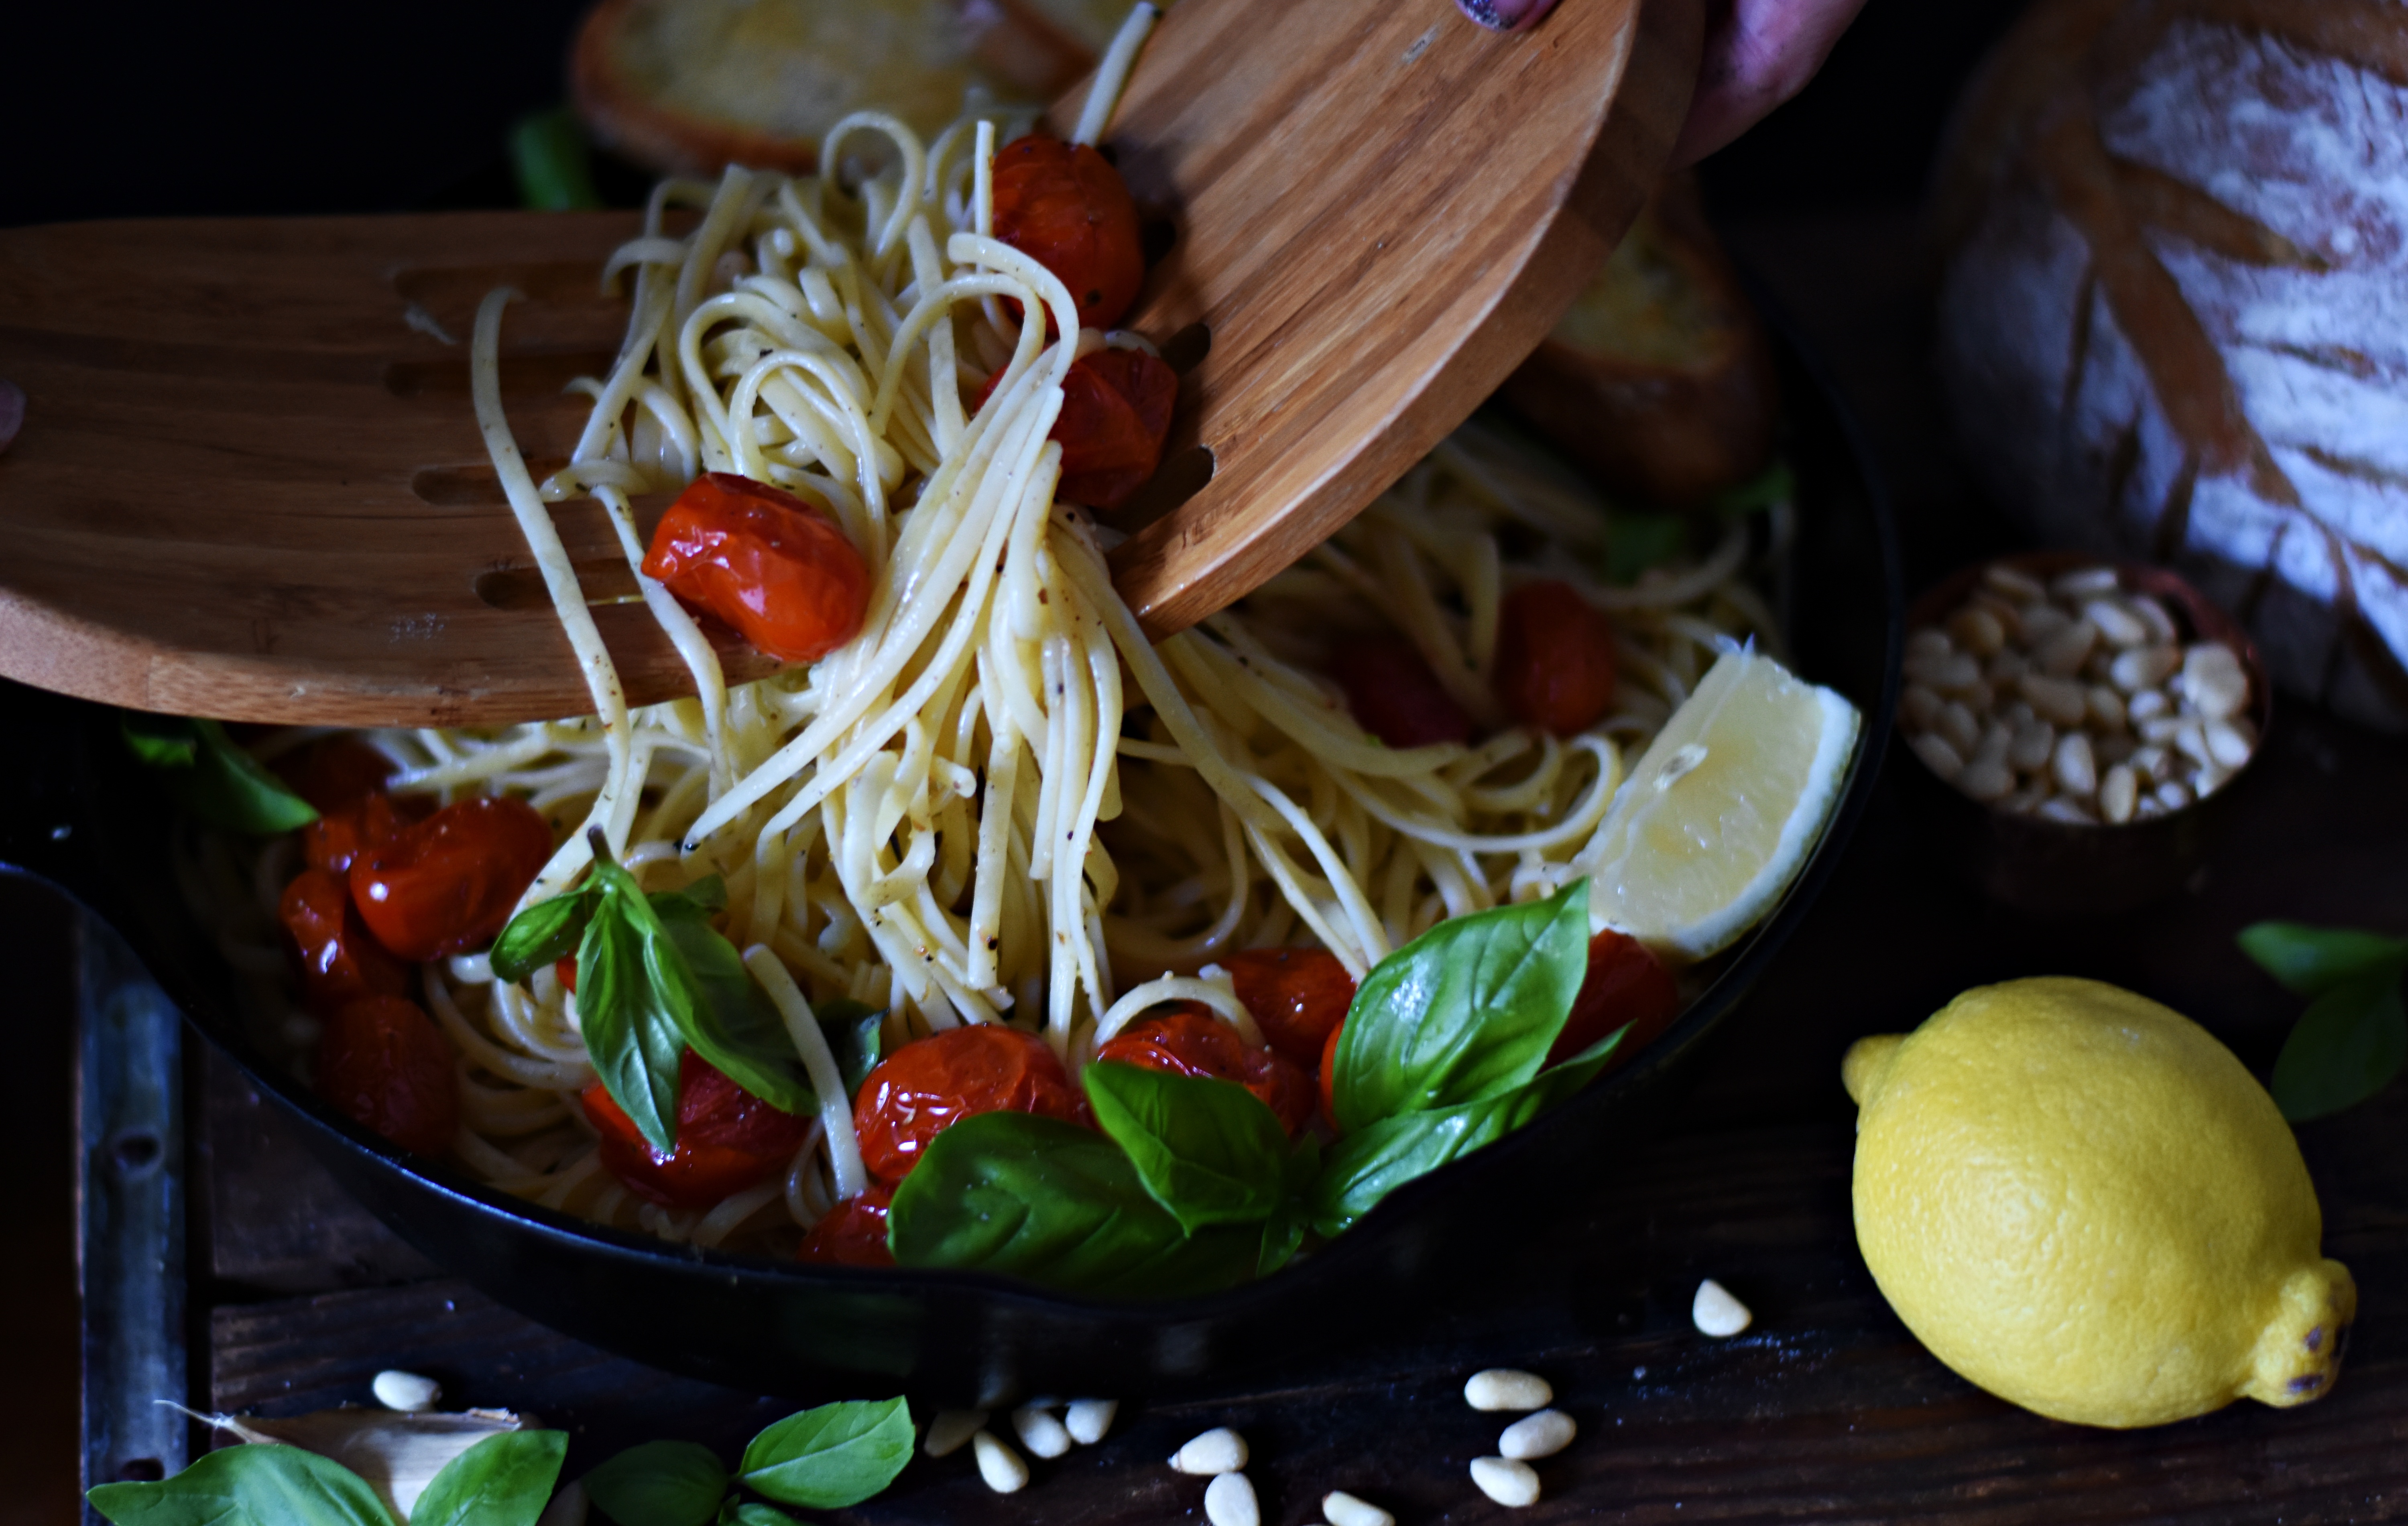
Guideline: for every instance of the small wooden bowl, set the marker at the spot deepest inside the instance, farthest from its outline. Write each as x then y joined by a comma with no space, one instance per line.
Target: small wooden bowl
2047,868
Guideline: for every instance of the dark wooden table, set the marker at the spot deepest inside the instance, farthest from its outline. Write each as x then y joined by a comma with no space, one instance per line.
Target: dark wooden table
1826,1410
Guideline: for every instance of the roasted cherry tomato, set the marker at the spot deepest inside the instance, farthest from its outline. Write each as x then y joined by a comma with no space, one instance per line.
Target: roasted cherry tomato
853,1233
1064,206
333,773
1394,694
727,1140
766,562
928,1084
337,838
382,1062
1625,983
1555,657
566,969
340,962
446,884
1115,414
1186,1038
1298,996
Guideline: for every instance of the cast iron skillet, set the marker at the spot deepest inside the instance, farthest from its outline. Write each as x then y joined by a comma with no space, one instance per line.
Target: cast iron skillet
75,811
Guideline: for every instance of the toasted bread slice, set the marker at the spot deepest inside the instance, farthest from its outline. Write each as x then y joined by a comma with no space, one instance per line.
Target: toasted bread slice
687,87
1659,380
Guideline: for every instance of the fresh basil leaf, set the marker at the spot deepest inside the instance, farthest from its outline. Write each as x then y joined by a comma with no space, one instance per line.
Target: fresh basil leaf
544,933
754,1513
212,778
554,169
503,1480
2313,961
1365,1166
1283,1231
856,1034
1766,488
1058,1204
660,1483
728,1019
1208,1150
2346,1047
251,1485
1636,541
831,1457
708,895
633,1034
1467,1010
159,741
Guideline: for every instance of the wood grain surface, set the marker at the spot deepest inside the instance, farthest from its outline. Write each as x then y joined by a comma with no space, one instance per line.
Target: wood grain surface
251,484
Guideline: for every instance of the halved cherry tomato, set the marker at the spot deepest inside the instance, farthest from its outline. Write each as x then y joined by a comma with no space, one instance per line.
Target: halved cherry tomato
1394,694
1625,983
565,969
446,885
340,962
333,773
1555,657
382,1062
1186,1039
1115,414
928,1084
765,562
727,1139
1297,996
337,838
853,1233
1064,206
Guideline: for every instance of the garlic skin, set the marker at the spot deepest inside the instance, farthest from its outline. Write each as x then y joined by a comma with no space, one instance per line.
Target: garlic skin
397,1455
1506,15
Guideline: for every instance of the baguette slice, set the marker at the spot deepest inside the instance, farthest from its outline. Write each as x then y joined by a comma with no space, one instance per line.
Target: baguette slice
1659,380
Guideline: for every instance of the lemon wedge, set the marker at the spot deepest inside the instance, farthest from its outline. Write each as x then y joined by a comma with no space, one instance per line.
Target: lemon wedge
1722,809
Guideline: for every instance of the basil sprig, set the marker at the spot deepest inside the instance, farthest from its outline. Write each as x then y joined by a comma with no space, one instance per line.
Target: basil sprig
659,1483
214,780
827,1459
1210,1152
2353,1039
653,978
502,1480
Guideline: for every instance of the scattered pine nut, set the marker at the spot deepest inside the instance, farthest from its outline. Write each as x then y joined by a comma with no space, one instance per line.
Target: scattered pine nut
1216,1451
999,1465
1229,1501
1087,1419
1514,1484
1716,1313
1542,1435
1339,1508
1040,1432
1506,1388
950,1428
407,1392
1938,755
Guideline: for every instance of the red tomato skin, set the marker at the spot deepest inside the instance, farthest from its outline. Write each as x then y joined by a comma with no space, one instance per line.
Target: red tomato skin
1064,206
727,1140
853,1233
1297,996
764,561
333,773
1555,657
446,885
1625,983
1395,696
1115,414
1186,1039
564,970
383,1063
336,839
930,1084
340,962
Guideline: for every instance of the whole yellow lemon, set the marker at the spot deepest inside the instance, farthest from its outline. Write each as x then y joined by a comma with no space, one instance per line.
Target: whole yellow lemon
2079,1200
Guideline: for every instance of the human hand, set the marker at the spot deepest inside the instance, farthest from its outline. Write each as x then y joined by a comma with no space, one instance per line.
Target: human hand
1758,53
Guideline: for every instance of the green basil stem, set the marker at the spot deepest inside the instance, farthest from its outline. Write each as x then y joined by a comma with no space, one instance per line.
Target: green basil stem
554,169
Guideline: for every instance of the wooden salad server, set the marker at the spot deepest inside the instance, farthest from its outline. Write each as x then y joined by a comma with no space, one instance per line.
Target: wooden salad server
249,484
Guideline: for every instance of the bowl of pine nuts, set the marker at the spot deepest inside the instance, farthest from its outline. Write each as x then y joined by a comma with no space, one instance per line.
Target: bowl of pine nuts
2081,726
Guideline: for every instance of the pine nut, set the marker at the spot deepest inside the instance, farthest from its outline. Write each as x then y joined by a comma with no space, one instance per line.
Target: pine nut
1510,1484
406,1391
1979,696
2162,728
1087,1419
2173,794
2017,713
2083,583
1986,779
1920,706
1977,630
2118,793
1938,755
2114,748
948,1429
2033,746
2037,623
1216,1451
2148,809
2056,700
2225,746
2153,614
2019,586
1040,1432
2191,740
2147,704
2117,625
1715,1312
999,1465
2143,667
2076,771
2148,763
1929,646
1542,1435
2006,667
1507,1388
2073,813
2022,803
2213,680
1229,1501
2062,655
1339,1508
1957,727
2106,709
